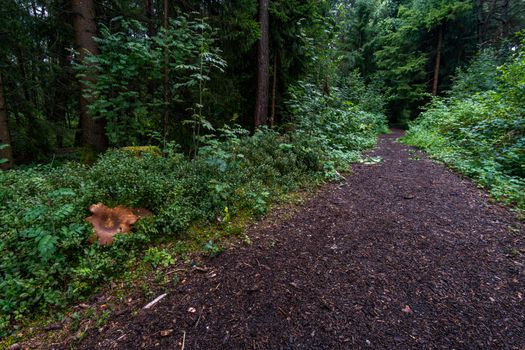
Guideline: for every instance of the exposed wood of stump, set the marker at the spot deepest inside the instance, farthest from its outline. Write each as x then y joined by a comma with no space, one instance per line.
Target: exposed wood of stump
108,222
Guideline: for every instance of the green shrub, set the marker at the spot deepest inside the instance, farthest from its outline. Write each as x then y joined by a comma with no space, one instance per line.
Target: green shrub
481,133
45,258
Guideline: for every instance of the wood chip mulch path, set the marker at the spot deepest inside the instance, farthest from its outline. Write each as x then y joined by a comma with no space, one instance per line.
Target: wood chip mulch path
405,254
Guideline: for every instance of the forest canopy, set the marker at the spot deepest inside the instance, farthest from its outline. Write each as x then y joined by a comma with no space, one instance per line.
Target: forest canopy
165,70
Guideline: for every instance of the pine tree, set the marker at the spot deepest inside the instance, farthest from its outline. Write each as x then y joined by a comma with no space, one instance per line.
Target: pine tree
93,130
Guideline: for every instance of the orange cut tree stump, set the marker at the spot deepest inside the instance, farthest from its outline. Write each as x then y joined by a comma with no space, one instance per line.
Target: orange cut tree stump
109,222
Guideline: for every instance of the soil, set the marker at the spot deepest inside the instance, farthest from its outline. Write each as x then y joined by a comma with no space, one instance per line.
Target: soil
405,254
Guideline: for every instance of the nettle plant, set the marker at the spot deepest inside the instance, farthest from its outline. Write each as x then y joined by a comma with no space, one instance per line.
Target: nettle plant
124,82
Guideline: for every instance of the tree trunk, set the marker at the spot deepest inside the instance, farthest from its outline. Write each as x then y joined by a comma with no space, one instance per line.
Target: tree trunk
505,21
149,17
261,104
274,87
93,130
165,117
438,61
479,21
5,138
63,79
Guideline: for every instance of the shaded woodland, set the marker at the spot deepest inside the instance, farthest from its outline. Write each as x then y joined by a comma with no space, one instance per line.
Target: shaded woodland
98,74
203,114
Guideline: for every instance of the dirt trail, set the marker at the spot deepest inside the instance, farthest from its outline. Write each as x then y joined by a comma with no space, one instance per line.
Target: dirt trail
404,255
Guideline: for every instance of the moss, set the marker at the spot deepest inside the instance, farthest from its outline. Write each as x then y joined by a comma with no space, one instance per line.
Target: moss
140,151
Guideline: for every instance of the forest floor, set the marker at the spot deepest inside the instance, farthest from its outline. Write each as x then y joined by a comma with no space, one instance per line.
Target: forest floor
404,254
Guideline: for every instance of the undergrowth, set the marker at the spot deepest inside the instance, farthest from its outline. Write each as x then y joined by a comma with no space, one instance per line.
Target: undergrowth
46,261
479,128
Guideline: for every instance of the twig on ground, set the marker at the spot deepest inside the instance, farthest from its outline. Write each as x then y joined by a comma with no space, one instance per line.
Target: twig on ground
183,340
156,300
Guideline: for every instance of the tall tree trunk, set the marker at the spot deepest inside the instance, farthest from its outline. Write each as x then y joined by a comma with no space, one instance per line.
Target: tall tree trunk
274,87
93,130
438,61
5,138
165,117
261,104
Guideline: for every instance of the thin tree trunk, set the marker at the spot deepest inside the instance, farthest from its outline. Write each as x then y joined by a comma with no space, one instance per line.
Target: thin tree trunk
479,21
151,84
274,87
438,61
59,108
63,79
165,84
505,21
149,17
93,130
261,104
22,63
5,138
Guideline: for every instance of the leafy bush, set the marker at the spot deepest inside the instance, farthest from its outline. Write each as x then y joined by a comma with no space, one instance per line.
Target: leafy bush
45,257
128,91
481,133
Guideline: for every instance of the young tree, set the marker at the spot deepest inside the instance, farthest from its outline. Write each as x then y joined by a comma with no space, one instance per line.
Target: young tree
261,104
93,130
5,139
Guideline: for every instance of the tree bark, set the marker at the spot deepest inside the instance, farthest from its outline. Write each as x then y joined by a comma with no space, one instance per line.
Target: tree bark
5,138
274,87
438,61
505,21
261,104
165,83
93,130
149,17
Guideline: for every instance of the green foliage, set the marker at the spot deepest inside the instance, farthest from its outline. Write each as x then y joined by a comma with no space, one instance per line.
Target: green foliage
127,91
211,249
407,47
45,257
158,257
481,133
480,75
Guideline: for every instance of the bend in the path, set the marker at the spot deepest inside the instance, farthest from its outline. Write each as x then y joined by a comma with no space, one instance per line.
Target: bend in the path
405,254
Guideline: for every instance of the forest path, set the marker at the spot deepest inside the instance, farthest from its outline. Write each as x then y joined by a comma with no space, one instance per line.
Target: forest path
404,254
